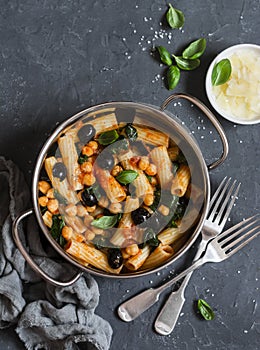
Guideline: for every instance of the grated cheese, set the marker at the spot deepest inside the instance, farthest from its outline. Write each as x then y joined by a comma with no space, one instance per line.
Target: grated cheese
240,95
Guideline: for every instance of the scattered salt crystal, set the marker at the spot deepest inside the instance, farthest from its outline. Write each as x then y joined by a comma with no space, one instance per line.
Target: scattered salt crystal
202,137
203,278
245,331
182,313
124,39
210,132
127,291
198,127
240,141
207,290
134,31
151,282
238,271
145,19
214,140
143,48
235,126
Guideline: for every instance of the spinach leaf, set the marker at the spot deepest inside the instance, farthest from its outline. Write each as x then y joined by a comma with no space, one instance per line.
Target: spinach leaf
60,198
125,177
187,64
173,77
107,137
180,208
82,158
195,49
43,210
105,221
131,132
156,201
165,55
175,18
56,228
221,72
150,238
205,310
100,242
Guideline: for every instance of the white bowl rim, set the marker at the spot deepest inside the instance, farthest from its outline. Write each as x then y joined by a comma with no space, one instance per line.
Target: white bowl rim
225,54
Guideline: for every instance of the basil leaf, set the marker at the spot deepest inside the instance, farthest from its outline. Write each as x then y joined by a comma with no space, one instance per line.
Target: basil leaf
173,77
195,49
165,55
175,18
205,310
107,137
131,132
125,177
82,158
221,72
105,222
186,64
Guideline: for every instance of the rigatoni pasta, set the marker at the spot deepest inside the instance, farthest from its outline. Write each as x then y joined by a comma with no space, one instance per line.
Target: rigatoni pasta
117,195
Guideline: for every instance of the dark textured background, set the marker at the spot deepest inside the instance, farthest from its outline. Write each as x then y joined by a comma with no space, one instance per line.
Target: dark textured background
59,57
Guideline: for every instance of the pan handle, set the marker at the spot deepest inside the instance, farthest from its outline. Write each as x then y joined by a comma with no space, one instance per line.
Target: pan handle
30,261
210,116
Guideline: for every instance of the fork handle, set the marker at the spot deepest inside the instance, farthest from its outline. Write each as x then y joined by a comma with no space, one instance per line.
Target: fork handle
169,314
135,306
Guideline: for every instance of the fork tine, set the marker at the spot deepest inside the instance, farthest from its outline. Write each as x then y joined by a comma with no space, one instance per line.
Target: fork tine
237,226
236,233
213,212
240,238
215,196
230,206
233,251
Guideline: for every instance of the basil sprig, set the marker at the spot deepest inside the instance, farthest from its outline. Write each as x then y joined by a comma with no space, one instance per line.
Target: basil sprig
125,177
165,55
187,64
107,137
205,310
188,61
195,49
173,77
175,18
105,221
221,72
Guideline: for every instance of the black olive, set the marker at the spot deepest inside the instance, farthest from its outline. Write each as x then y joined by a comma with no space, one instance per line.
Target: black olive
86,133
106,161
140,215
114,257
88,198
59,170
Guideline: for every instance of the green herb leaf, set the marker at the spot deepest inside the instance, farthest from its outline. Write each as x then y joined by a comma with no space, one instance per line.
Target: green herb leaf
82,158
221,72
156,201
165,55
120,145
57,225
205,310
175,167
186,64
173,77
175,18
105,222
43,210
150,238
60,198
100,242
131,132
195,49
107,137
125,177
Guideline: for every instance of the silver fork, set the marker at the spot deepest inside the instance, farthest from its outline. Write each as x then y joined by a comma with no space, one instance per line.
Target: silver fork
214,224
218,249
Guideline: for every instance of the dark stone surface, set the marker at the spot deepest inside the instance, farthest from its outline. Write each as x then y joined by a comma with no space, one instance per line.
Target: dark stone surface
58,57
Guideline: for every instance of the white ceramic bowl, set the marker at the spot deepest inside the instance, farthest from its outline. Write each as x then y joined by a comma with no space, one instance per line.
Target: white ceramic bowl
211,96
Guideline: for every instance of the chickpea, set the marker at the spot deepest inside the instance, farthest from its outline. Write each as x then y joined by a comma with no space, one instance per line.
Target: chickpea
71,210
89,235
115,208
143,163
86,167
93,145
148,199
53,206
67,232
164,210
97,231
132,249
50,193
88,151
43,186
43,201
89,179
91,209
151,170
116,170
124,254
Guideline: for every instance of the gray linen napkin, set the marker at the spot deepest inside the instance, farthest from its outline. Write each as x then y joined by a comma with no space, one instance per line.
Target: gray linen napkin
46,317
